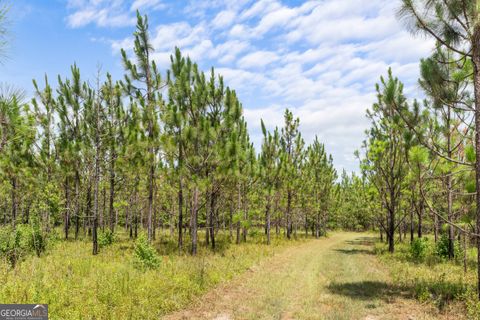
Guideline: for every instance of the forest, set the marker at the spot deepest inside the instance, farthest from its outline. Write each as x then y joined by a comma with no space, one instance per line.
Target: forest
136,197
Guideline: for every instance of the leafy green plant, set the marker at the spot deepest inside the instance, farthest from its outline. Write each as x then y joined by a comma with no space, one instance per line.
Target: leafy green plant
441,248
106,238
37,241
419,248
10,245
18,242
145,256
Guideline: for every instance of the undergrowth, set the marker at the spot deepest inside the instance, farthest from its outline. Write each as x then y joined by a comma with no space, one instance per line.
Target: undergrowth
127,279
423,269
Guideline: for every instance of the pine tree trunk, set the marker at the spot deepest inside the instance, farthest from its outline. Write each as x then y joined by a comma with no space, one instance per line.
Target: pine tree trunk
135,219
400,233
306,224
154,222
451,231
267,217
231,221
391,231
14,201
180,214
212,218
77,196
207,217
465,247
245,218
476,76
420,219
194,220
288,215
239,204
151,177
412,224
112,190
67,208
172,217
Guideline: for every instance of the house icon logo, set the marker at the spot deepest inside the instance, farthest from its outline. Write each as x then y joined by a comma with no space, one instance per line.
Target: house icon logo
23,312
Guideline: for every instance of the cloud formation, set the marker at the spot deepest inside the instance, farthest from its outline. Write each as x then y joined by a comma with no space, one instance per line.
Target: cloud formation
107,13
319,58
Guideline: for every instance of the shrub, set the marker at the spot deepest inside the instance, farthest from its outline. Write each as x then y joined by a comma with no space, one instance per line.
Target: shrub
37,241
472,304
18,242
106,238
418,249
441,248
145,256
10,244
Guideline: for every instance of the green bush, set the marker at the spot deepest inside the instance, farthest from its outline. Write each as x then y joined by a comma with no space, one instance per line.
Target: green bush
106,238
145,256
439,290
441,248
18,242
419,248
472,305
10,244
37,241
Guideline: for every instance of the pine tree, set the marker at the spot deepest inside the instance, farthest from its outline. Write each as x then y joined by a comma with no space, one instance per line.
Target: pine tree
456,27
292,153
386,151
270,171
70,143
148,96
16,154
112,95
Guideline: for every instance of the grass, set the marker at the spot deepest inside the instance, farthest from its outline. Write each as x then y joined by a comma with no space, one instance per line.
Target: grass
77,285
337,277
432,279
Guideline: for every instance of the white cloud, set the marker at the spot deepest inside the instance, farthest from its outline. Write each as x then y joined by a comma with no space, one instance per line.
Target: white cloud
259,8
257,59
147,4
223,19
228,51
179,34
320,58
107,13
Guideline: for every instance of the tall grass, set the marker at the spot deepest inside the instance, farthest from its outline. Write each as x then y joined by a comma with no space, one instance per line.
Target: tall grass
422,269
77,285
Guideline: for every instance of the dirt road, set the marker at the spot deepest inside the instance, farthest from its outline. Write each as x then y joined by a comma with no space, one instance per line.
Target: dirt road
332,278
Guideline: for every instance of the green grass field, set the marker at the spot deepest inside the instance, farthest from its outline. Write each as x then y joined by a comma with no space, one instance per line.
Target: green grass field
77,285
343,276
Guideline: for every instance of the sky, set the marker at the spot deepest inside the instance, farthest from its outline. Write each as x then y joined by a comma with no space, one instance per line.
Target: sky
319,58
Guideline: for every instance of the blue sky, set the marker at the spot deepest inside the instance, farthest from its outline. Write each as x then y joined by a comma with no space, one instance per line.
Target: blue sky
320,58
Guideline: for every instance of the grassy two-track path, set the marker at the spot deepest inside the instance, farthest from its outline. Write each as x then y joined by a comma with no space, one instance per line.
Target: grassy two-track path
337,277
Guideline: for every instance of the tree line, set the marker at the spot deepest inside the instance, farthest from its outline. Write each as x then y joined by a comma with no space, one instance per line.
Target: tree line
420,161
155,150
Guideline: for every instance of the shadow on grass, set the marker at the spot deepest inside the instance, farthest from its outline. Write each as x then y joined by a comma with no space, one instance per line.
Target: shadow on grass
362,241
167,245
354,251
368,290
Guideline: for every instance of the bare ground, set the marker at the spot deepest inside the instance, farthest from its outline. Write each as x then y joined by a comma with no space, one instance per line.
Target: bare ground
332,278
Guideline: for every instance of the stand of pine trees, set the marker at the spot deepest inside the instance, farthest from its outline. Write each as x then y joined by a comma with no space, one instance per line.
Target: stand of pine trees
421,159
154,150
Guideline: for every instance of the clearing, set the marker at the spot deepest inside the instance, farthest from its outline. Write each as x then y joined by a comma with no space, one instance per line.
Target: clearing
332,278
